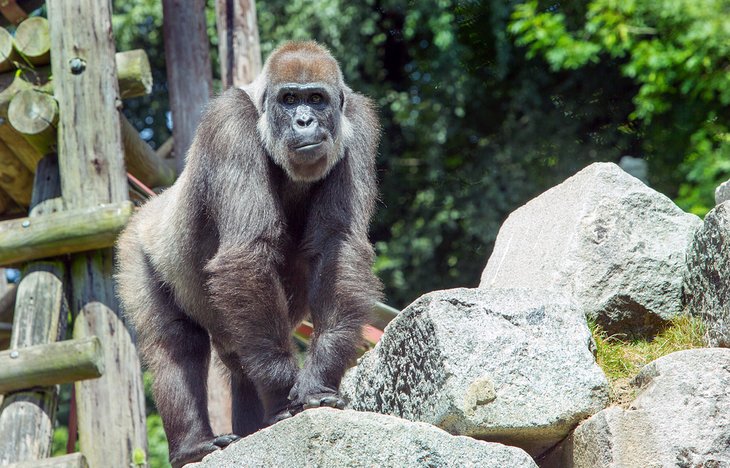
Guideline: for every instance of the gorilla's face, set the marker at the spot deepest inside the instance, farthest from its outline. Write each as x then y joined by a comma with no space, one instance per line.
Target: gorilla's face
304,123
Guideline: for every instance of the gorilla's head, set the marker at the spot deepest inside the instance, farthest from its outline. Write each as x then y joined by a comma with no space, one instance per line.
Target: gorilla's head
302,105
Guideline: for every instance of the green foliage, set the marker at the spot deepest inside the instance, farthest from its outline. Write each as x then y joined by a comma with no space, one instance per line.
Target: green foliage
622,359
157,448
676,53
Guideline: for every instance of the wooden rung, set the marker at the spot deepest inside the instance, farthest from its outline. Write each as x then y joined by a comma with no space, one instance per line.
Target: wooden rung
64,232
382,315
50,364
72,460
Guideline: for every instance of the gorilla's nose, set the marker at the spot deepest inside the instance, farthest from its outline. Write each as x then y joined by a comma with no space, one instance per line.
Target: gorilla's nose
305,121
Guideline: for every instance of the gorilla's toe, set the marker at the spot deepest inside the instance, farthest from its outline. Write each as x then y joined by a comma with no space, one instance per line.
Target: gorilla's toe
225,440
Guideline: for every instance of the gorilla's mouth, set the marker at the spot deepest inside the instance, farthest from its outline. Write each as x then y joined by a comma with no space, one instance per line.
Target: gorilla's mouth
308,146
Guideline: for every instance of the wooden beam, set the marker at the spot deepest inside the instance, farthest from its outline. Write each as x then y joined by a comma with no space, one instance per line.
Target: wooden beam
72,460
238,42
33,41
5,202
93,172
27,417
134,73
7,302
382,315
35,115
15,179
50,364
187,55
64,232
8,54
142,161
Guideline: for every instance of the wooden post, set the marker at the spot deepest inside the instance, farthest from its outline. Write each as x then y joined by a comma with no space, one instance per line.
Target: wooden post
189,76
238,42
41,310
33,41
111,418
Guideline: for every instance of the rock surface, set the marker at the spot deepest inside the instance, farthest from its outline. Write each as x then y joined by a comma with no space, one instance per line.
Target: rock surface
680,418
722,192
707,284
333,438
603,237
510,366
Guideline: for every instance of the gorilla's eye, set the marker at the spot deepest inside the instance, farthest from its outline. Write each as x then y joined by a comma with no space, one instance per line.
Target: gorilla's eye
315,98
289,98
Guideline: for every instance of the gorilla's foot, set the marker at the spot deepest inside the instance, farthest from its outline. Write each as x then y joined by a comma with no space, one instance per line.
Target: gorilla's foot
280,416
196,453
318,400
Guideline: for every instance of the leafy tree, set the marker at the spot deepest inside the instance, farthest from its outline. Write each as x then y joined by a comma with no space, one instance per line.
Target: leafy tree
676,54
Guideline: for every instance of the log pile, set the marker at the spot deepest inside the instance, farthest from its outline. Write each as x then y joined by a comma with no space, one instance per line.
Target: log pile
29,114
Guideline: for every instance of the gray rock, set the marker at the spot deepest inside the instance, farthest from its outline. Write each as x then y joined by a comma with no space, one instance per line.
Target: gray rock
681,418
333,438
707,282
722,192
508,366
603,237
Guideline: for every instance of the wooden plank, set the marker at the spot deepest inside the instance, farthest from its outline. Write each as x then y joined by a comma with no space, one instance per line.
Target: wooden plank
111,415
239,49
64,232
15,179
118,396
142,161
187,55
73,460
27,417
33,41
50,364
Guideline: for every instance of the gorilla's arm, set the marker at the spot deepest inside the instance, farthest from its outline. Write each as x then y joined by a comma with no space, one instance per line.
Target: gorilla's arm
342,287
251,321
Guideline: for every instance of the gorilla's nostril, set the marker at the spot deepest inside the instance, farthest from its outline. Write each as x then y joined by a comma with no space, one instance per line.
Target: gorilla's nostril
305,122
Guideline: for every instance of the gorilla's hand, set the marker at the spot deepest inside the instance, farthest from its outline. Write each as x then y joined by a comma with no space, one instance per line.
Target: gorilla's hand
305,395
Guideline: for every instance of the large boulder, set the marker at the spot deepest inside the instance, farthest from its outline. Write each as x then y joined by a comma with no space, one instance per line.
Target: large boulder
603,237
331,438
510,366
681,417
707,282
722,192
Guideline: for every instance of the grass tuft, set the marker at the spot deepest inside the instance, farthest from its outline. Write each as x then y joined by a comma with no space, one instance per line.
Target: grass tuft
622,359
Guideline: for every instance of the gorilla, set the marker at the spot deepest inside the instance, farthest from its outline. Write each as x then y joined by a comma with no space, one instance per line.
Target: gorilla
266,225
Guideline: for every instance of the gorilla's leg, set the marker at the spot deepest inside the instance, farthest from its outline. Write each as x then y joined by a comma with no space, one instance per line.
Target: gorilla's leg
248,412
342,290
253,323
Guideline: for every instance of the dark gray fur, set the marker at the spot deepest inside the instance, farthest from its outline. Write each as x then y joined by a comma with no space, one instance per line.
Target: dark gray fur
243,247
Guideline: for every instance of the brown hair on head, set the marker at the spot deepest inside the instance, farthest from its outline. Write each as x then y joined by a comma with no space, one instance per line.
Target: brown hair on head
302,62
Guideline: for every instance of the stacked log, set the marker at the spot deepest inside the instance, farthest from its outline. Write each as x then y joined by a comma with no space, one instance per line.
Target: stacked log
29,113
